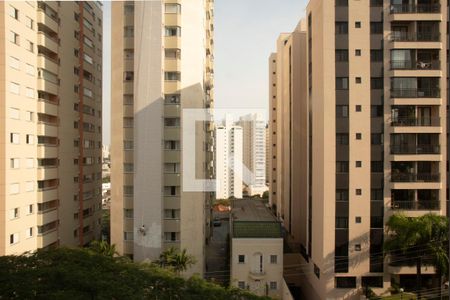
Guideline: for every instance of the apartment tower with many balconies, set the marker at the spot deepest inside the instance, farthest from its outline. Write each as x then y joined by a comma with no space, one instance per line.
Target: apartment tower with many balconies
50,186
162,64
376,139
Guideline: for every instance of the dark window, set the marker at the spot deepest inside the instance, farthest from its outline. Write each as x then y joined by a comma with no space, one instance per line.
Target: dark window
376,166
376,194
376,111
342,167
341,2
357,220
341,28
376,139
341,138
376,222
345,282
357,247
341,195
358,192
341,111
358,80
358,108
376,83
376,55
342,83
372,281
357,24
342,222
376,3
376,27
241,259
359,136
358,164
357,52
341,55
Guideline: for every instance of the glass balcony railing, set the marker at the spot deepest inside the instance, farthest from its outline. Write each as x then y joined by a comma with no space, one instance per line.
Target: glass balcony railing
416,205
415,65
415,177
397,36
415,8
415,149
415,93
414,121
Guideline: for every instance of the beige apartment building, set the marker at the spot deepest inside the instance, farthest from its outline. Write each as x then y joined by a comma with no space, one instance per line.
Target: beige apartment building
50,112
162,64
287,128
374,128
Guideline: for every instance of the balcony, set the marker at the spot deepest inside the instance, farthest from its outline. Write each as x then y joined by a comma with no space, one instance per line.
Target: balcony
50,20
415,205
429,8
47,107
45,40
415,92
415,149
415,65
415,177
48,63
415,121
257,275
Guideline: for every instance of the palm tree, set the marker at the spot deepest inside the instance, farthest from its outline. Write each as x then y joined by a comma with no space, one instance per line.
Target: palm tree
417,237
178,261
102,247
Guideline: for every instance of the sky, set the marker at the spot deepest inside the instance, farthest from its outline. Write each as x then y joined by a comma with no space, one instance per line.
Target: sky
245,33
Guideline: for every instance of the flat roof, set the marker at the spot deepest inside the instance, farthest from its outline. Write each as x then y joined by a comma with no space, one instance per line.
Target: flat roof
252,219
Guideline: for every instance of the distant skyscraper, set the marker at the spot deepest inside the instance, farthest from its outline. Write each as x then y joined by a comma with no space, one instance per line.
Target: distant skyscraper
50,115
228,160
254,154
162,63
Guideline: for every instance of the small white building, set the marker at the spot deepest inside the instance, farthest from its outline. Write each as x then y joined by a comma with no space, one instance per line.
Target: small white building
228,160
256,249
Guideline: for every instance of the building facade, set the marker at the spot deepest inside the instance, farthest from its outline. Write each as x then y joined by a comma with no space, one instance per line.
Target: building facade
51,62
376,139
162,63
254,152
229,160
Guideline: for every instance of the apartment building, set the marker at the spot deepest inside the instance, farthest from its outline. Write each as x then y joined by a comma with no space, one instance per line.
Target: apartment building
229,153
288,129
254,152
256,249
376,132
162,63
51,62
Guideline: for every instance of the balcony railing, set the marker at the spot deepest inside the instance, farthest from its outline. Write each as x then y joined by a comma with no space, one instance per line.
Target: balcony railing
415,8
416,37
415,177
415,65
413,121
415,149
416,205
416,93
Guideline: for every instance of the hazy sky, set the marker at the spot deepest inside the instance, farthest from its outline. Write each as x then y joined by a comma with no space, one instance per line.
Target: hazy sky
245,35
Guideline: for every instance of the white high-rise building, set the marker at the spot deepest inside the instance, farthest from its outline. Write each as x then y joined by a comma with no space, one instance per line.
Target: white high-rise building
228,160
254,154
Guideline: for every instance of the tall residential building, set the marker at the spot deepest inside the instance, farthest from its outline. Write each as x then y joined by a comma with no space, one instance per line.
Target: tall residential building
376,139
229,160
288,124
51,60
162,64
254,152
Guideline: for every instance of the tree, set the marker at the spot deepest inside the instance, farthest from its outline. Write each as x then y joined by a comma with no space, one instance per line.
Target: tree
103,248
178,261
418,238
83,274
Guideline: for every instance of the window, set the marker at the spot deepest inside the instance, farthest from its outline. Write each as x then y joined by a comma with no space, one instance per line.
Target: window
341,111
376,166
30,46
341,223
341,2
14,88
29,92
358,192
129,53
376,3
273,285
13,238
14,63
241,285
273,259
13,12
128,190
341,166
88,92
341,195
358,108
376,111
376,27
171,236
358,80
15,163
30,209
14,113
341,138
128,168
171,168
358,164
357,52
376,55
342,83
341,27
88,42
14,188
128,145
29,69
29,139
88,58
341,55
172,145
241,259
172,214
14,213
357,247
29,232
128,76
357,24
376,139
357,220
14,138
172,76
376,83
172,99
29,186
129,8
358,136
128,213
173,31
128,236
173,8
172,122
171,191
128,100
372,281
345,282
29,22
14,38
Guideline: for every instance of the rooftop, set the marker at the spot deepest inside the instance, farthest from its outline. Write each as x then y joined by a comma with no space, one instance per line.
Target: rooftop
252,219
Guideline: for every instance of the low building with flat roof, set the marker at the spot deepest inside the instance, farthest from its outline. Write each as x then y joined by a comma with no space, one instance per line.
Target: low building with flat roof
256,248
